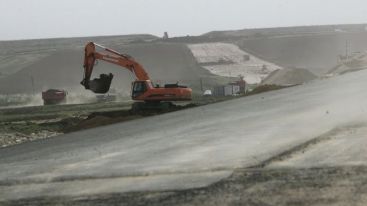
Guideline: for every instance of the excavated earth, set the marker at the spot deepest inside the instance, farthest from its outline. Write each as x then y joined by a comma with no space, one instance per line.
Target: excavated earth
288,76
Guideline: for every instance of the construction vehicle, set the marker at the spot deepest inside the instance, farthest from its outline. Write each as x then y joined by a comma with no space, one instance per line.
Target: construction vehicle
145,94
54,96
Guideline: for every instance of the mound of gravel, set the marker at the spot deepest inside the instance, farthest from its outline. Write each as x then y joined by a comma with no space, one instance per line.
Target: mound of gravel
288,76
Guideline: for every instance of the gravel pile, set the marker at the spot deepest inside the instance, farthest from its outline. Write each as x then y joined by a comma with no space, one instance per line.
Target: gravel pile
287,77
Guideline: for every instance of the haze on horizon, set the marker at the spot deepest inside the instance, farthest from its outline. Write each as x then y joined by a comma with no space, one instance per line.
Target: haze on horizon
36,19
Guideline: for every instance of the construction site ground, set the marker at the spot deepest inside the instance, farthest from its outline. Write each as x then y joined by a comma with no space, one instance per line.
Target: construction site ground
23,124
303,145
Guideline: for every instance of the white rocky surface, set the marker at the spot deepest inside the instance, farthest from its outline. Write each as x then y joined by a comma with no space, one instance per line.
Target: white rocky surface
226,59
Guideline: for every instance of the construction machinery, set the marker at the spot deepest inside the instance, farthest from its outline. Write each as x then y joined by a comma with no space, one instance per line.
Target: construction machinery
54,96
144,92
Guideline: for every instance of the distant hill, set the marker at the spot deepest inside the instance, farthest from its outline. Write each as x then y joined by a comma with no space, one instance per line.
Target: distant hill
317,53
57,63
16,55
166,63
282,31
315,48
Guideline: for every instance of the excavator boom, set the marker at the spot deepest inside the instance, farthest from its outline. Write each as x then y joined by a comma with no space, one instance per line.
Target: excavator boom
102,84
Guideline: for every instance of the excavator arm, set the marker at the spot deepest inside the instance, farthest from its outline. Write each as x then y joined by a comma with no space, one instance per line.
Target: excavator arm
102,84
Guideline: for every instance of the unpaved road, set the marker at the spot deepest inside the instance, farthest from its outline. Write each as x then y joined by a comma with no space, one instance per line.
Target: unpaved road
228,149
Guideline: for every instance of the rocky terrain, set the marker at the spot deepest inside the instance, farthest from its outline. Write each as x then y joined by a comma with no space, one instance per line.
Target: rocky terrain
226,59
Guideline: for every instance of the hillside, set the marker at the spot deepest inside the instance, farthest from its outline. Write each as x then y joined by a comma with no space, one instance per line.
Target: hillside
315,48
226,59
355,62
56,63
317,53
16,55
63,69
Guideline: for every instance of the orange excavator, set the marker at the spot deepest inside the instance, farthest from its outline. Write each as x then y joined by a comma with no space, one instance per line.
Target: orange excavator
143,90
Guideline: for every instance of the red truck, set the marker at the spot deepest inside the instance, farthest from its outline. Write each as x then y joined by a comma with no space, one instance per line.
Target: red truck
54,96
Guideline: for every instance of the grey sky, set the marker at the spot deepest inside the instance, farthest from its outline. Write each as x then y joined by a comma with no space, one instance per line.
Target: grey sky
24,19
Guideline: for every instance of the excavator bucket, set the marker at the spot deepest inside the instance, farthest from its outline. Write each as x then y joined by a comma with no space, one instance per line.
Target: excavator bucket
102,84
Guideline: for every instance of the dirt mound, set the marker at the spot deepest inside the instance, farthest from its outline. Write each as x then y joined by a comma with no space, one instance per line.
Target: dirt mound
166,63
286,77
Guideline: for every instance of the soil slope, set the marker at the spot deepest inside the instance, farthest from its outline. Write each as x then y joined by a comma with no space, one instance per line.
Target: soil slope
165,63
286,77
228,60
317,53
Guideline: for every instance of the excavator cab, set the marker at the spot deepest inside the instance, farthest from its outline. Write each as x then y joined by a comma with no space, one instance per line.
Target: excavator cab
138,88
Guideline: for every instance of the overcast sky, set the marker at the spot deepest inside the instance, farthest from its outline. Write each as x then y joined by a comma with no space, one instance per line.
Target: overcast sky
28,19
